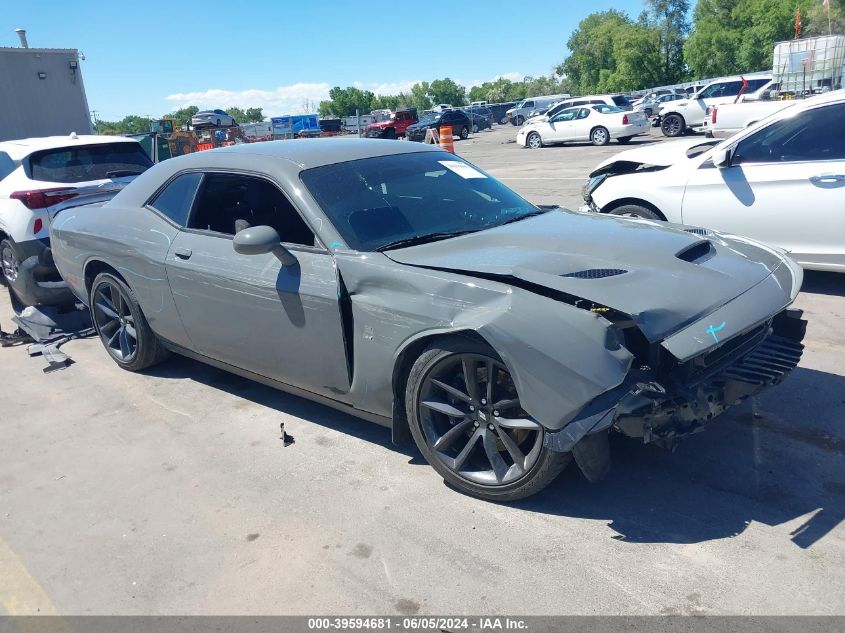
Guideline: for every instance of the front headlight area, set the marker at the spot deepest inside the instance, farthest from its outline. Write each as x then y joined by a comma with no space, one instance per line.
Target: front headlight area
590,186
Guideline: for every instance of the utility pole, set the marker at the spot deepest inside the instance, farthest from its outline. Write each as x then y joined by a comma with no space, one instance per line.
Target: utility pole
96,124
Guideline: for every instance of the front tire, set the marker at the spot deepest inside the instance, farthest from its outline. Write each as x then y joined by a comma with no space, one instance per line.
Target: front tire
534,141
465,417
121,325
475,128
600,136
636,211
673,125
624,140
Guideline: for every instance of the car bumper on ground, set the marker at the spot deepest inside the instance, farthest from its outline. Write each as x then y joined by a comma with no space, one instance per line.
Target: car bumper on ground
38,281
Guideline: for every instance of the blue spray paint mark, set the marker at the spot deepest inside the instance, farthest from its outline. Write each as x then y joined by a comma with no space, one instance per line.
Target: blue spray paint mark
712,330
336,245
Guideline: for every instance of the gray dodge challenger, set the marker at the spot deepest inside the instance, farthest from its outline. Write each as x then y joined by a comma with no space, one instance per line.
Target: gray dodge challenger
404,285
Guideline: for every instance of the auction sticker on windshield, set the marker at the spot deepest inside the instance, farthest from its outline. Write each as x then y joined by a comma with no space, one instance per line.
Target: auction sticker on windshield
462,169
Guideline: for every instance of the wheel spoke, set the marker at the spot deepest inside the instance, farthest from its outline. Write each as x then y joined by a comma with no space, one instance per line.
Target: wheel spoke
130,332
448,438
517,423
462,457
452,391
106,309
112,323
500,468
114,336
490,372
124,342
117,300
470,377
516,454
444,408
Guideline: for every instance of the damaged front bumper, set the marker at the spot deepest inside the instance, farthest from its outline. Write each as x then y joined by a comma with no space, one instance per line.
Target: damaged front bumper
662,407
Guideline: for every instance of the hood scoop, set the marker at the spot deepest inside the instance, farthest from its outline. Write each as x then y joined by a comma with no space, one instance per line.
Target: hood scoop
596,273
697,253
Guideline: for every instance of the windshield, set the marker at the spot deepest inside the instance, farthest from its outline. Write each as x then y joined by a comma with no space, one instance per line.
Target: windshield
373,202
91,162
430,118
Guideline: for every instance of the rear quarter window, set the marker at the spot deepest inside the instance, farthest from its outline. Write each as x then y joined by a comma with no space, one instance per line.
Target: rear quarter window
7,165
89,162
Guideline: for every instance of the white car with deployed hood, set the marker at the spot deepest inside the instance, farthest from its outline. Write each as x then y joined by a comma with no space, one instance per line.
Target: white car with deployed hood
781,181
595,123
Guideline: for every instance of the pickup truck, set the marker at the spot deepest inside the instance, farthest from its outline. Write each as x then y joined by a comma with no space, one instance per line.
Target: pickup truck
393,125
677,117
727,119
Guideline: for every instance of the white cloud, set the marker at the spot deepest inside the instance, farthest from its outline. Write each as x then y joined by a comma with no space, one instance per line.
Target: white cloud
289,99
294,98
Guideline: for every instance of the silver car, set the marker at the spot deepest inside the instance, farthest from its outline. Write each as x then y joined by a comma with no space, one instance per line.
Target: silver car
402,284
216,118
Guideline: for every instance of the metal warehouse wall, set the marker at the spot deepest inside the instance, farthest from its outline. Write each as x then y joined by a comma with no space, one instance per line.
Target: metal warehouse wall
32,106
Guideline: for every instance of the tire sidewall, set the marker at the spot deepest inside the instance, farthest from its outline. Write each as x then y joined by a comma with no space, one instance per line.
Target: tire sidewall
533,135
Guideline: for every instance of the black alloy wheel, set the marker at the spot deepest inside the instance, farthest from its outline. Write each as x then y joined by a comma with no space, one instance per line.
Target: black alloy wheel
467,419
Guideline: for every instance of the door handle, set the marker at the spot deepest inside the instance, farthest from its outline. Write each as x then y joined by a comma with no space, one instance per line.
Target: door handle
183,253
823,178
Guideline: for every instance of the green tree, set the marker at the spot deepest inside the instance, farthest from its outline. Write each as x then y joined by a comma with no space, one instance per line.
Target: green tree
419,96
254,115
344,101
236,113
669,18
734,36
447,91
182,116
592,55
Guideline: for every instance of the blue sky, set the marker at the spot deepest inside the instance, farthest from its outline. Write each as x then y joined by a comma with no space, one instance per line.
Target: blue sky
281,55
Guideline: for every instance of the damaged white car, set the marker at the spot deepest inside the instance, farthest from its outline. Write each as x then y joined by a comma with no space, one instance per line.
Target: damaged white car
781,181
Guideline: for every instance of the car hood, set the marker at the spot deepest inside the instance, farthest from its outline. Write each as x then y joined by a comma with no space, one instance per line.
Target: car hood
662,154
660,275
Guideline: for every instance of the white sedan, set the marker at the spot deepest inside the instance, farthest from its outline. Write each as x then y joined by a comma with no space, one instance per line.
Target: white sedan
596,123
781,181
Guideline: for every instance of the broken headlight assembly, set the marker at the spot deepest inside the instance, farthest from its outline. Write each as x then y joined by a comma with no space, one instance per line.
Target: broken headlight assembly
591,185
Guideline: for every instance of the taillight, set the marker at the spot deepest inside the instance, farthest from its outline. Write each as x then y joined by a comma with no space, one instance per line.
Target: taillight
624,119
42,198
37,226
713,115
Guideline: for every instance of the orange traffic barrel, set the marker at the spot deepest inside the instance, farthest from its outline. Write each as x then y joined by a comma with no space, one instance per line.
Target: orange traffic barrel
446,138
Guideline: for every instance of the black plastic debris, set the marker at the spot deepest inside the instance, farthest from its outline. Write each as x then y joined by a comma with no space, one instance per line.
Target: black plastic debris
48,328
287,440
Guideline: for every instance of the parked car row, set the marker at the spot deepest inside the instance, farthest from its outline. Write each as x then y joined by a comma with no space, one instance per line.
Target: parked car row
598,124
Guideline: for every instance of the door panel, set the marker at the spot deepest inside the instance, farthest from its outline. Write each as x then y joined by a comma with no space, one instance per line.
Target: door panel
249,311
781,204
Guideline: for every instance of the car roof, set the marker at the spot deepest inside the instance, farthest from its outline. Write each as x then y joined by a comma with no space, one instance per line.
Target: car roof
21,148
307,153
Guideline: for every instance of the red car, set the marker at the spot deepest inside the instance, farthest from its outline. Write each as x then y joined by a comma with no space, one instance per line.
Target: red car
392,127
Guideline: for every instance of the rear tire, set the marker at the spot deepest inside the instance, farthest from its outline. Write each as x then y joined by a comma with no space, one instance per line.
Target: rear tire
468,443
121,325
475,128
519,120
636,211
464,133
9,262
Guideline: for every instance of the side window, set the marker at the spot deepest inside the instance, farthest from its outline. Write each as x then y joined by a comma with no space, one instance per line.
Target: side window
804,137
583,113
176,199
529,104
229,203
7,165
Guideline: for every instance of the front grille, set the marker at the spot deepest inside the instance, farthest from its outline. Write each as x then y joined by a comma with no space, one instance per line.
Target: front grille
596,273
774,358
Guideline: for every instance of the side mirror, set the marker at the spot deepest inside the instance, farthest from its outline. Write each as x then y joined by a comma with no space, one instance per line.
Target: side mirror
257,240
722,157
